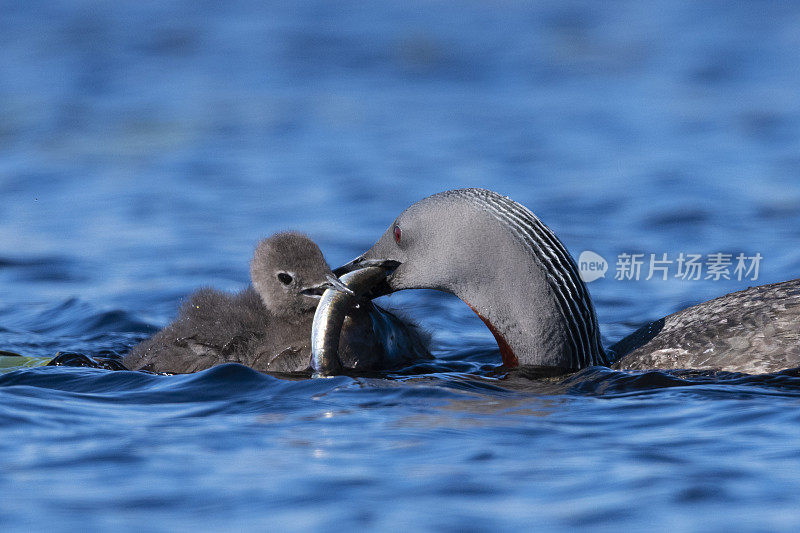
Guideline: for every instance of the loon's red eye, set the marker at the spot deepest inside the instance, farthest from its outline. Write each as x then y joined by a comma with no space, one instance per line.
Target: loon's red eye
397,234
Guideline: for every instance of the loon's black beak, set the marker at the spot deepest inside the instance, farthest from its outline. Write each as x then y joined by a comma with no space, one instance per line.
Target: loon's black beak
332,283
388,265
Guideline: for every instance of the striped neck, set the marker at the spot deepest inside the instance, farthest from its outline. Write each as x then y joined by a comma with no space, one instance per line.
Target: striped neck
559,319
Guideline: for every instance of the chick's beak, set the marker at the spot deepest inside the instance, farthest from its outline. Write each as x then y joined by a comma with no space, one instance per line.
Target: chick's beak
332,282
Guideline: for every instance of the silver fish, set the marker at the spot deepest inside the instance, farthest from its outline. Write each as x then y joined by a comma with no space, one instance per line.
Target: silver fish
384,341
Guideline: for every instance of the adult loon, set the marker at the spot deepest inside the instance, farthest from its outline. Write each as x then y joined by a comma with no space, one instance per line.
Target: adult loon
511,269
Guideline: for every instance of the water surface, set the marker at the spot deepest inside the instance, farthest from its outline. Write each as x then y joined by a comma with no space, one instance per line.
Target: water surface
145,148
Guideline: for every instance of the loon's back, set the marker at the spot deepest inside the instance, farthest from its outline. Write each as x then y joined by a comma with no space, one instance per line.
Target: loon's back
754,331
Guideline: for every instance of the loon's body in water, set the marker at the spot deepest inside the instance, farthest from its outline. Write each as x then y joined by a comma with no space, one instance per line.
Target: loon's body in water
512,270
755,331
268,325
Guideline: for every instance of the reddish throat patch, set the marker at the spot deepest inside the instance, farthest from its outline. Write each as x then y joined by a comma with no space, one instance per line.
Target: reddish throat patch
509,358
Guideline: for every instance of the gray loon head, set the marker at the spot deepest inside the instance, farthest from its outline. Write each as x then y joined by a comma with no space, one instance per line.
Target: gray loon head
500,259
290,274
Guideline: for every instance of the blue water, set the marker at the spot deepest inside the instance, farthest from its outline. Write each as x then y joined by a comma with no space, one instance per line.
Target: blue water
145,148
